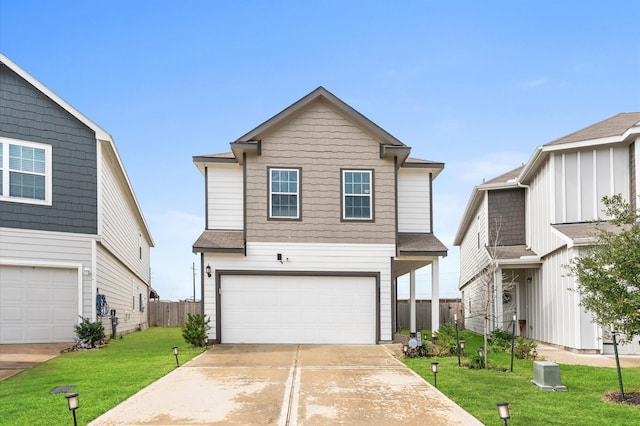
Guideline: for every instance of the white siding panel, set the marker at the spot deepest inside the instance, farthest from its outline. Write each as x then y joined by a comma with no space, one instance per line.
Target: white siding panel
414,200
369,258
621,171
122,231
122,289
541,209
473,255
225,197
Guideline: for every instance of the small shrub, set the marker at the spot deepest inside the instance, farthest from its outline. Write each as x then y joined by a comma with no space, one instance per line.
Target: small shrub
499,340
524,348
446,339
91,332
476,361
195,329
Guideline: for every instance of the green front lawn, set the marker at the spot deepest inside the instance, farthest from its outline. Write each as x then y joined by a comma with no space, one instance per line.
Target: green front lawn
103,378
478,391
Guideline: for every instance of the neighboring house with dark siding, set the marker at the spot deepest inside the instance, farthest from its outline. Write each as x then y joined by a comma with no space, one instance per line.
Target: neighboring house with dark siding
310,220
71,229
548,212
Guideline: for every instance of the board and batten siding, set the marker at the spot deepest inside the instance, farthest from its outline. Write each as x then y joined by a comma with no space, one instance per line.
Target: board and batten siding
542,211
43,248
122,290
321,142
321,258
551,295
583,178
225,197
122,232
414,200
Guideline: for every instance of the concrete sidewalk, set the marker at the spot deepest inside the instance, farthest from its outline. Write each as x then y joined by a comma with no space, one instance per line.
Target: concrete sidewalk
290,385
561,356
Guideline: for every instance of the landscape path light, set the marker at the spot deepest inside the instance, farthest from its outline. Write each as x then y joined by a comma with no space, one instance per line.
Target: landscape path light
175,353
72,401
503,411
434,368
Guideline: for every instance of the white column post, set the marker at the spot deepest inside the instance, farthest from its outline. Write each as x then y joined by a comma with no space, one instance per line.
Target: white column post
435,295
412,301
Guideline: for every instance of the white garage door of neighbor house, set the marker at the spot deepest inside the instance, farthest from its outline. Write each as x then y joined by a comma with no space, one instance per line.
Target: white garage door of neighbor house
298,309
38,305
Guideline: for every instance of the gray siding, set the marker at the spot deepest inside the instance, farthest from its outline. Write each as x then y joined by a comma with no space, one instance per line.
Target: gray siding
506,211
27,114
321,142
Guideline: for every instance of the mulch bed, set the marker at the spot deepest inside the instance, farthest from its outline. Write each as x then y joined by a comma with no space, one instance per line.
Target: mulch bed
630,398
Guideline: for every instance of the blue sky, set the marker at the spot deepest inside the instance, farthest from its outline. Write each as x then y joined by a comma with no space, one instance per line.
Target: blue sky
476,85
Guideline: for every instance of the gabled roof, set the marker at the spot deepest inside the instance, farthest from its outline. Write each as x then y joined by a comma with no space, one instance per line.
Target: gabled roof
620,128
504,181
101,134
617,125
250,141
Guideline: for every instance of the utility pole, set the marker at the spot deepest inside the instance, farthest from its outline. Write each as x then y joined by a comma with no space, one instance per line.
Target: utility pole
194,281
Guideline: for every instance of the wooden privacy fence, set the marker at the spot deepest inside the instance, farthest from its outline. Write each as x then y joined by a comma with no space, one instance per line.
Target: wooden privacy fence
448,307
171,314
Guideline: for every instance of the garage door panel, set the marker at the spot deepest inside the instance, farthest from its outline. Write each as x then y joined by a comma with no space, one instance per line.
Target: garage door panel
270,309
39,305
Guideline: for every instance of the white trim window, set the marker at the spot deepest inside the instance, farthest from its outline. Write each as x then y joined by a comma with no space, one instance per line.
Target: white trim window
357,195
284,193
25,172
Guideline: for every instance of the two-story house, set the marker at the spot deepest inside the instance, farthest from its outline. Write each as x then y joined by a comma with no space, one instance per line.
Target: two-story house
73,240
546,212
310,219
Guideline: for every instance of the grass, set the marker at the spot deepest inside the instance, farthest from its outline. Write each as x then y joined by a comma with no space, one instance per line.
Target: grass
103,378
478,391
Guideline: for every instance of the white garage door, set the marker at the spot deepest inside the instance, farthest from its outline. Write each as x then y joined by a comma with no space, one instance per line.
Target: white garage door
37,305
298,309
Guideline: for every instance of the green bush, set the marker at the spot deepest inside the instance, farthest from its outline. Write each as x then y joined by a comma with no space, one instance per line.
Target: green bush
499,340
91,332
524,348
446,339
195,329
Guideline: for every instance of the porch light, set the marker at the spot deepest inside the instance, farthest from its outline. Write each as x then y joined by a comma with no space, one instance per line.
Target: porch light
72,401
208,271
175,353
503,411
434,368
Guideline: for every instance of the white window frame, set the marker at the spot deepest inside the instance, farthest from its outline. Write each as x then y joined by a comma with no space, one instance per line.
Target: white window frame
272,193
369,195
5,171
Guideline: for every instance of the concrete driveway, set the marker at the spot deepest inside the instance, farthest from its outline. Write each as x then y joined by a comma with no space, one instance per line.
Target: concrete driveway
15,358
290,385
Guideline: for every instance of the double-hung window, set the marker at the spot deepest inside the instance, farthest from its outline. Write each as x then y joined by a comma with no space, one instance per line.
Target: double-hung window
284,193
25,172
357,198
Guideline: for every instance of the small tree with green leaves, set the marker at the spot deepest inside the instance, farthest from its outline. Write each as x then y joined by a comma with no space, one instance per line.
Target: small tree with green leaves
609,272
195,329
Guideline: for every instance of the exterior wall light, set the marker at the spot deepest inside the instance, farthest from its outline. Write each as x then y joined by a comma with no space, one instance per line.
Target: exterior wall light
208,271
503,411
72,401
434,368
175,353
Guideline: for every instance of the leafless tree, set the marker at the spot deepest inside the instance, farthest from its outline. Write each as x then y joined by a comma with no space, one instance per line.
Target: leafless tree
487,285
